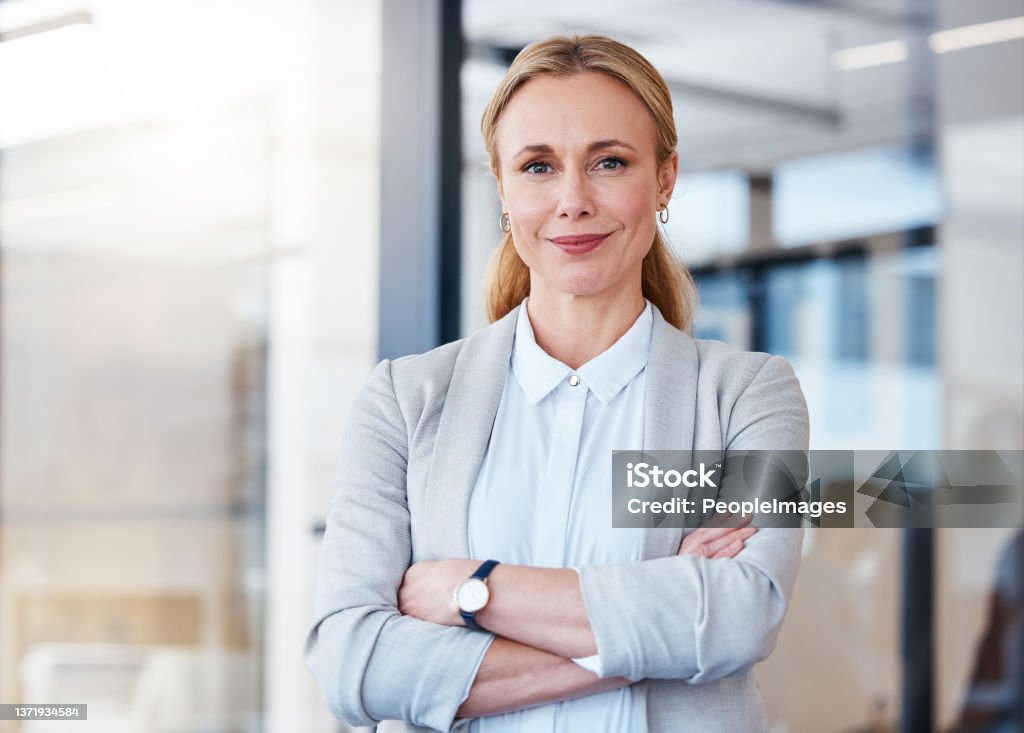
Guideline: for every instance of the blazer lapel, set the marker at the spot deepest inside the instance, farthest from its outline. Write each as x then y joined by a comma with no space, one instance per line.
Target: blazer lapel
478,380
670,403
670,396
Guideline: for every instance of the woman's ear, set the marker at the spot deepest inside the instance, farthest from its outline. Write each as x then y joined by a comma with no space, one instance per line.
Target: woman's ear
667,173
501,194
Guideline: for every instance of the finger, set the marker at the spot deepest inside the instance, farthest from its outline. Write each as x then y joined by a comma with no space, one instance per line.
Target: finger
733,536
729,520
721,519
729,551
744,520
706,534
700,537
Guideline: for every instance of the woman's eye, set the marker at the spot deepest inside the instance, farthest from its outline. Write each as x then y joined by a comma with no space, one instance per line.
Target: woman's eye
537,168
611,164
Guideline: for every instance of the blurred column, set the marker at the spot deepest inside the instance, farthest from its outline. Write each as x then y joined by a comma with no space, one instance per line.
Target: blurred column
917,622
761,241
762,233
421,173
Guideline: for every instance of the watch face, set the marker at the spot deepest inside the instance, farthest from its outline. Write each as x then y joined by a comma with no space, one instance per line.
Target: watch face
472,595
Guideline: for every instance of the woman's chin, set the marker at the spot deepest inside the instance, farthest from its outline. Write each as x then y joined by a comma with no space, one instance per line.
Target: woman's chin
582,287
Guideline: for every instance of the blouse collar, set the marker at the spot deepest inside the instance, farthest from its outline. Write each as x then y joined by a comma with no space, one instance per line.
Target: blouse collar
538,373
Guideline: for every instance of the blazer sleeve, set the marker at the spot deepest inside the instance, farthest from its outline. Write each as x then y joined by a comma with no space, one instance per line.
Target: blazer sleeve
696,619
370,661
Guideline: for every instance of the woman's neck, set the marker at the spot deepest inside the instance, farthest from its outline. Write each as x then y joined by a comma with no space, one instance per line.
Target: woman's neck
574,329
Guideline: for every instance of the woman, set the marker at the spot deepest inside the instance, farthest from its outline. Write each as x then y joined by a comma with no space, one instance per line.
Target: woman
490,457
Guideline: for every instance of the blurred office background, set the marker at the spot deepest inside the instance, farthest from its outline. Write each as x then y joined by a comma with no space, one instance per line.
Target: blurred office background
215,217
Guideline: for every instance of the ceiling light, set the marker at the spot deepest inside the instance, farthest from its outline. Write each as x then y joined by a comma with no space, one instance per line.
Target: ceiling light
877,54
977,35
968,36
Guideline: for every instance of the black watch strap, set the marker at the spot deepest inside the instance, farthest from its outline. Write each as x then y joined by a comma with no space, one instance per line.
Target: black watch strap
469,617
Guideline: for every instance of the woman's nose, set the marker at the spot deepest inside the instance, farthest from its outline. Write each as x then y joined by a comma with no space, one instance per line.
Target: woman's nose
575,196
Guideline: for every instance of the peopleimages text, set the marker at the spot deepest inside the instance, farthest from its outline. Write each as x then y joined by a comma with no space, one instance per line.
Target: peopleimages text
742,508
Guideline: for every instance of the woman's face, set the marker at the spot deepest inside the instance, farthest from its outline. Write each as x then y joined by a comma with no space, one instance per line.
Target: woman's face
581,184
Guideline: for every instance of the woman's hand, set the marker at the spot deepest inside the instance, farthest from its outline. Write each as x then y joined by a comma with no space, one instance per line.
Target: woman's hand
428,589
716,543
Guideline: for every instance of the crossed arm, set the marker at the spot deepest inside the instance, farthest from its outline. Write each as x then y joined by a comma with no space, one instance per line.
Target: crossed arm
541,623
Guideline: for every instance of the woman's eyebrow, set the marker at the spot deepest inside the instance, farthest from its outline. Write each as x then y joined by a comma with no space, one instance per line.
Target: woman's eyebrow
539,149
602,144
542,149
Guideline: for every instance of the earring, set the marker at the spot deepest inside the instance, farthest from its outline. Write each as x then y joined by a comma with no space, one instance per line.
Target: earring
504,223
663,215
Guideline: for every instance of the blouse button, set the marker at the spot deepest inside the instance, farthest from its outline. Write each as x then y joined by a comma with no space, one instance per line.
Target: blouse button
574,380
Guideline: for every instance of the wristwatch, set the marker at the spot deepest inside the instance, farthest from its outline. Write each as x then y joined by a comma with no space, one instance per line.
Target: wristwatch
472,594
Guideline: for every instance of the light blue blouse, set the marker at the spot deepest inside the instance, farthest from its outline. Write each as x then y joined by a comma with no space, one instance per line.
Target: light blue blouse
543,494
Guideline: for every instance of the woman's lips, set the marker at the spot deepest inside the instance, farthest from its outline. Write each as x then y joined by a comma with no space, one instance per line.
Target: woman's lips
578,244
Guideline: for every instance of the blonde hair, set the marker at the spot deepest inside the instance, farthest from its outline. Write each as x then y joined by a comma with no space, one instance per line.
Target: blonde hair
665,280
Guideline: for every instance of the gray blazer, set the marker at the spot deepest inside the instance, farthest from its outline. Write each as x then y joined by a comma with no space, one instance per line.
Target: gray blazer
691,628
